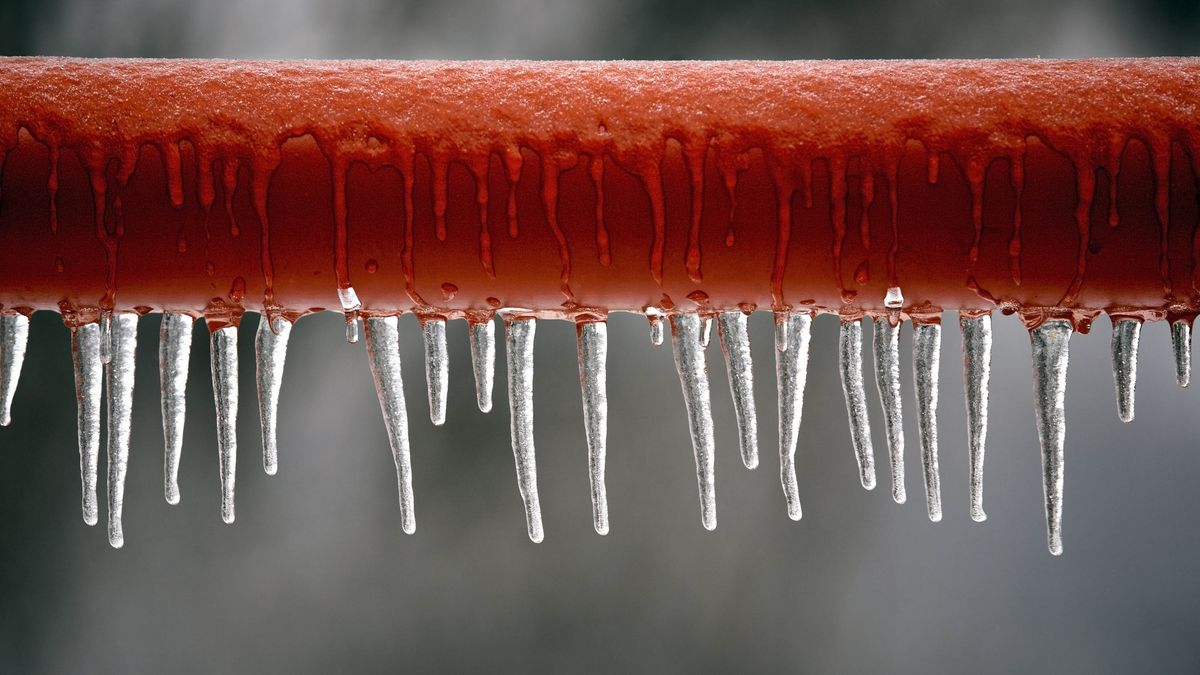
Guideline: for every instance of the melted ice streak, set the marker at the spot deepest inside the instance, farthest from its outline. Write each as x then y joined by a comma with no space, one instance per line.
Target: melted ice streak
1050,342
383,350
1125,335
886,348
791,374
351,306
1181,344
593,355
270,352
14,335
927,345
85,354
118,379
174,350
225,395
520,398
483,362
437,368
693,378
850,365
656,327
735,343
977,364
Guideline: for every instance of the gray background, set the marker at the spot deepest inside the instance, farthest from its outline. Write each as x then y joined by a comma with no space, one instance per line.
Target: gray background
316,575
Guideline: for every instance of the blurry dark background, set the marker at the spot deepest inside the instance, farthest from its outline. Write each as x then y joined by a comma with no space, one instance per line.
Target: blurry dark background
316,575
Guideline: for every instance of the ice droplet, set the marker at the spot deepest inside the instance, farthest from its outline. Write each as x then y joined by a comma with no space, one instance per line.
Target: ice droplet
693,378
791,375
174,350
14,335
89,383
977,364
927,345
894,299
739,367
383,350
1181,344
483,361
886,348
437,367
1051,342
118,380
850,366
593,355
223,344
1125,336
519,342
270,353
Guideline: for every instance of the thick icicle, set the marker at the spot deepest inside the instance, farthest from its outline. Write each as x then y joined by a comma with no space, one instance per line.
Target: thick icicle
593,355
483,361
886,347
383,349
850,365
791,374
1125,335
927,345
1051,342
223,344
270,352
977,364
520,400
693,378
735,343
437,367
174,351
1181,344
118,380
14,335
89,383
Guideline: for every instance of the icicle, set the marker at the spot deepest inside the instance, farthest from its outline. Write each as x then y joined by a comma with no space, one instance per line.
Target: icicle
656,326
270,352
1051,341
886,348
693,377
383,350
927,345
706,324
118,380
85,354
14,335
483,361
174,350
437,367
791,374
850,365
1124,354
593,354
223,345
1181,344
351,306
977,364
519,343
781,331
105,336
735,343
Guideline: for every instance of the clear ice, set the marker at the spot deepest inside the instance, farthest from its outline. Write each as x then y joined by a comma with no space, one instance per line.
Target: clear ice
118,380
89,384
927,345
174,351
593,356
850,366
437,367
739,368
270,352
693,378
223,343
519,342
885,344
1125,336
791,374
383,350
1051,342
483,361
14,335
350,307
977,365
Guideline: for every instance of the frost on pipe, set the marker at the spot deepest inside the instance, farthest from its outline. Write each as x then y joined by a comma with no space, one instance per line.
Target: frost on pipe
688,192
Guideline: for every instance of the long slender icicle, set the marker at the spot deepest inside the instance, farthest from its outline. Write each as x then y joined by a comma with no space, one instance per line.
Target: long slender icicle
693,378
118,380
1051,342
14,335
886,347
1181,345
223,344
519,342
927,345
791,375
735,343
174,351
1125,336
593,356
89,383
850,366
383,350
270,352
483,361
977,364
437,367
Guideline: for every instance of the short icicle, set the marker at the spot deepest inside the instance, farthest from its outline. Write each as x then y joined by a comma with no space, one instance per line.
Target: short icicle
350,307
593,355
735,343
223,345
1051,342
14,335
977,365
118,379
791,375
927,345
693,378
656,327
89,383
1125,336
437,367
519,342
886,347
270,352
850,367
1181,345
483,361
174,352
383,350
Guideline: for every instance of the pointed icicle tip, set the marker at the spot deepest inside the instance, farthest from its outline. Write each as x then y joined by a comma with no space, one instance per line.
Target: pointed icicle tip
1051,342
734,334
119,379
519,342
1181,345
593,354
977,364
14,336
885,344
270,353
927,344
85,356
791,375
174,352
850,367
693,378
437,367
383,350
1125,336
224,361
483,362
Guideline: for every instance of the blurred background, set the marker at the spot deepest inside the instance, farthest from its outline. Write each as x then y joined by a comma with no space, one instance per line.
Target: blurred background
317,576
